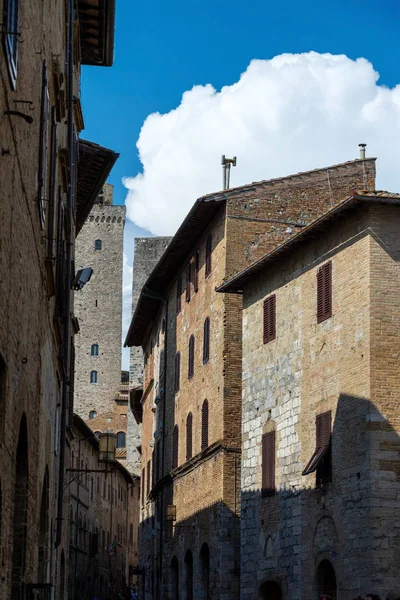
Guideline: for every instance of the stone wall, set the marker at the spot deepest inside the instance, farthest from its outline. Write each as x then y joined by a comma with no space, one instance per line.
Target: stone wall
98,307
338,365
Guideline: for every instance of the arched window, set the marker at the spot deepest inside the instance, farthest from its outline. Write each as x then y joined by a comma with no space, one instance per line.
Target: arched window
92,414
177,371
121,439
270,590
93,376
94,351
20,516
191,357
189,575
326,579
204,425
97,245
189,434
206,341
175,447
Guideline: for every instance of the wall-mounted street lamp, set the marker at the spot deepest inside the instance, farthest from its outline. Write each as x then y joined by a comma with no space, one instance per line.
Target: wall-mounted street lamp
170,516
107,450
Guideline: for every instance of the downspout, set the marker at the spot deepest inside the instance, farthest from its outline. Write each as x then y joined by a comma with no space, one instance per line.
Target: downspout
163,443
67,307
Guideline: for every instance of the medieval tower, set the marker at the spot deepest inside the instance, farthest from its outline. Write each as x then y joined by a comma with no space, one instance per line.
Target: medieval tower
98,307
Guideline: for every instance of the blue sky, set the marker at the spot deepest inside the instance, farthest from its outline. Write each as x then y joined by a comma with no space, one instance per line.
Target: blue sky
163,49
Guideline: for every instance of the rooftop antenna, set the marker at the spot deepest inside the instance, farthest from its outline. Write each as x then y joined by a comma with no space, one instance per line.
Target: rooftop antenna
226,170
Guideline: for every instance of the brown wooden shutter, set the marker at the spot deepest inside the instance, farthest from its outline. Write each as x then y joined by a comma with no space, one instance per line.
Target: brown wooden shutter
189,438
188,281
179,296
208,254
206,341
324,292
191,357
177,371
269,319
148,477
204,425
142,483
268,463
44,118
175,447
323,424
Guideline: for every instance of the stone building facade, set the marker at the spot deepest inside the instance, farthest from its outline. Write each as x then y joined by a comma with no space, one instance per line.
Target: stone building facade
320,491
191,401
45,196
98,307
103,523
147,252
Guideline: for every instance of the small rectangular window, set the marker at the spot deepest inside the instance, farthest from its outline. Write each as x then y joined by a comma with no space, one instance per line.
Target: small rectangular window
11,37
321,460
268,463
269,319
324,292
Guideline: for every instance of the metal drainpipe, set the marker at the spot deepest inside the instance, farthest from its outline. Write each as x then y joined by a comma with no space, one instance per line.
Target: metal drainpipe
67,307
163,443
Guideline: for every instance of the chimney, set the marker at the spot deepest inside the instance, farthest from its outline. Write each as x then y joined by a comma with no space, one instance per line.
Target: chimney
362,150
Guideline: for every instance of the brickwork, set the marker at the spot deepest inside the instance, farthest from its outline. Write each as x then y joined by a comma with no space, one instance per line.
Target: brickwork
344,365
236,242
98,307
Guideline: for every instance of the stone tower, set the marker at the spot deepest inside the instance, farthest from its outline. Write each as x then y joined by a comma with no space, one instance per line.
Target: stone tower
147,253
98,307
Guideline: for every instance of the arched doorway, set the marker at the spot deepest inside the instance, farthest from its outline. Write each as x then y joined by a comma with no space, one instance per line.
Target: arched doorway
20,519
326,579
174,579
189,575
205,572
270,590
44,531
62,576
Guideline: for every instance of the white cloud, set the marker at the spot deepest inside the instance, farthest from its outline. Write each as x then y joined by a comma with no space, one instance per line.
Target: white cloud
292,113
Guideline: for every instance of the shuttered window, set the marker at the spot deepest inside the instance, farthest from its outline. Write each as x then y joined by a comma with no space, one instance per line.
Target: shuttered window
189,436
268,463
269,319
148,475
206,341
179,295
204,425
44,120
321,460
188,281
142,484
196,271
175,447
324,292
191,357
177,371
208,254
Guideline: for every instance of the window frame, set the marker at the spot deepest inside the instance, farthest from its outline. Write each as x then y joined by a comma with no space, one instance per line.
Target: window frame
208,260
123,435
177,371
175,447
268,463
179,295
191,357
205,424
189,436
206,340
269,319
321,460
98,245
94,350
324,292
95,377
92,414
11,19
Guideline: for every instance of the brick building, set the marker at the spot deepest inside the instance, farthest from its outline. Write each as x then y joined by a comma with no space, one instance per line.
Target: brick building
103,527
49,181
191,399
320,489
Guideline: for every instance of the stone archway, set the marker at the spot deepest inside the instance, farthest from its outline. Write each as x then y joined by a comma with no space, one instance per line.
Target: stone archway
270,590
20,519
188,575
326,579
204,572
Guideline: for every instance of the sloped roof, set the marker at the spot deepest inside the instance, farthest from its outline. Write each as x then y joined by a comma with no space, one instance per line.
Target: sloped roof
238,282
96,29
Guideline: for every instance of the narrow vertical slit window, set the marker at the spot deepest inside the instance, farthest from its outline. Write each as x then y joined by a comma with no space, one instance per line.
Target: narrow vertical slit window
204,425
93,376
175,447
188,281
208,255
191,357
324,292
269,319
177,371
11,37
268,463
179,295
189,436
94,351
98,245
206,341
196,271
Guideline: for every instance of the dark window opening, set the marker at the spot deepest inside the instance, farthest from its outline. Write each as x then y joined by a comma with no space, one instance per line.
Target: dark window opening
189,436
191,357
205,572
92,414
179,295
206,341
270,590
188,281
324,292
98,245
94,351
175,447
269,319
11,37
189,575
321,460
93,376
326,580
174,579
121,439
196,270
177,371
208,255
268,463
204,425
